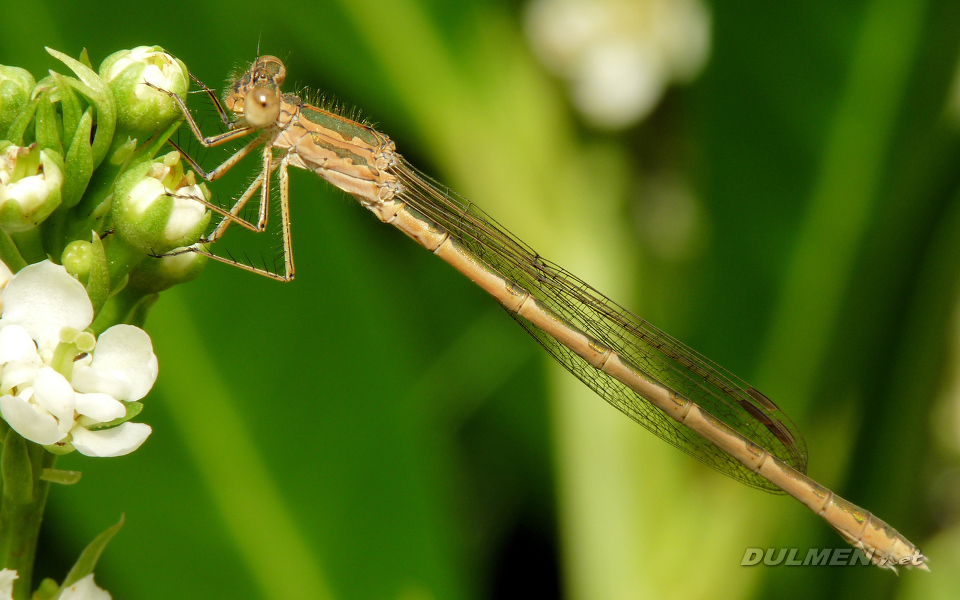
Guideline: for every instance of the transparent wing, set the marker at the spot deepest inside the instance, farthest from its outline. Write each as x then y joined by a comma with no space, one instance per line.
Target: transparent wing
656,354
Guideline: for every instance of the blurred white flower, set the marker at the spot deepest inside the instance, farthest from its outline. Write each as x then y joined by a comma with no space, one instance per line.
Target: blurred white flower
52,399
619,55
85,589
7,577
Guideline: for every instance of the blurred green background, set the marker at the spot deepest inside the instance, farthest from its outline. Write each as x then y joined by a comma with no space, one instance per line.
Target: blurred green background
380,429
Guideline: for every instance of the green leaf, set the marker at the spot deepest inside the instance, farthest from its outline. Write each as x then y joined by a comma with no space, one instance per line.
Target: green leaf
16,86
70,108
97,91
98,283
133,409
141,310
96,219
47,589
19,127
60,476
149,149
16,469
46,125
90,555
79,162
85,59
9,253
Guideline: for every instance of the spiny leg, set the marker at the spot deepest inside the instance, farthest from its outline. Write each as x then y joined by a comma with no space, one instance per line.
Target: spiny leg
212,93
287,240
263,182
232,214
226,165
285,219
217,172
268,167
264,186
221,227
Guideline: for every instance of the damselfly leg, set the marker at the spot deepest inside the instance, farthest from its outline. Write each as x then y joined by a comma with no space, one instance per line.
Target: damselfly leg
262,182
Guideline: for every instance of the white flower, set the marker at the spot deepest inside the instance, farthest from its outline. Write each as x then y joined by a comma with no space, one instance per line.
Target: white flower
7,577
43,306
134,76
123,366
42,302
159,206
185,215
31,178
85,589
159,68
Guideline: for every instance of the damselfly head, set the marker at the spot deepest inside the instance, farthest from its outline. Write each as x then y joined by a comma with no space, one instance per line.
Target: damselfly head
255,96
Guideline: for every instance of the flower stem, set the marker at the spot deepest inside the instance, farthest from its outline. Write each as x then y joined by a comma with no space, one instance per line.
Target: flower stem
21,506
121,259
9,253
29,244
130,305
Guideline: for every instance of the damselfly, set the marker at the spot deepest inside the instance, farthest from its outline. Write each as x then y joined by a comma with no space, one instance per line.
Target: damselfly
682,397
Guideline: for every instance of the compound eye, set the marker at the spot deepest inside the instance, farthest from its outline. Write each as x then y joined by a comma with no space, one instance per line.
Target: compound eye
261,107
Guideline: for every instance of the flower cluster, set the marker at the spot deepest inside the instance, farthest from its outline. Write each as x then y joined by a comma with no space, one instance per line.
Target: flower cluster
88,204
80,180
80,184
60,387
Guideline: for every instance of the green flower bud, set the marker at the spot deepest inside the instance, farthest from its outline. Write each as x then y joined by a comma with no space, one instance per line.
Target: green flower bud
30,182
158,274
77,259
142,109
154,208
15,87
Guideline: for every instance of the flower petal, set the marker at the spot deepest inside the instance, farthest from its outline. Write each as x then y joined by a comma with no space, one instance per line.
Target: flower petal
16,374
36,427
5,275
16,344
43,298
7,577
124,352
85,589
117,441
90,380
101,407
144,194
186,214
54,393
